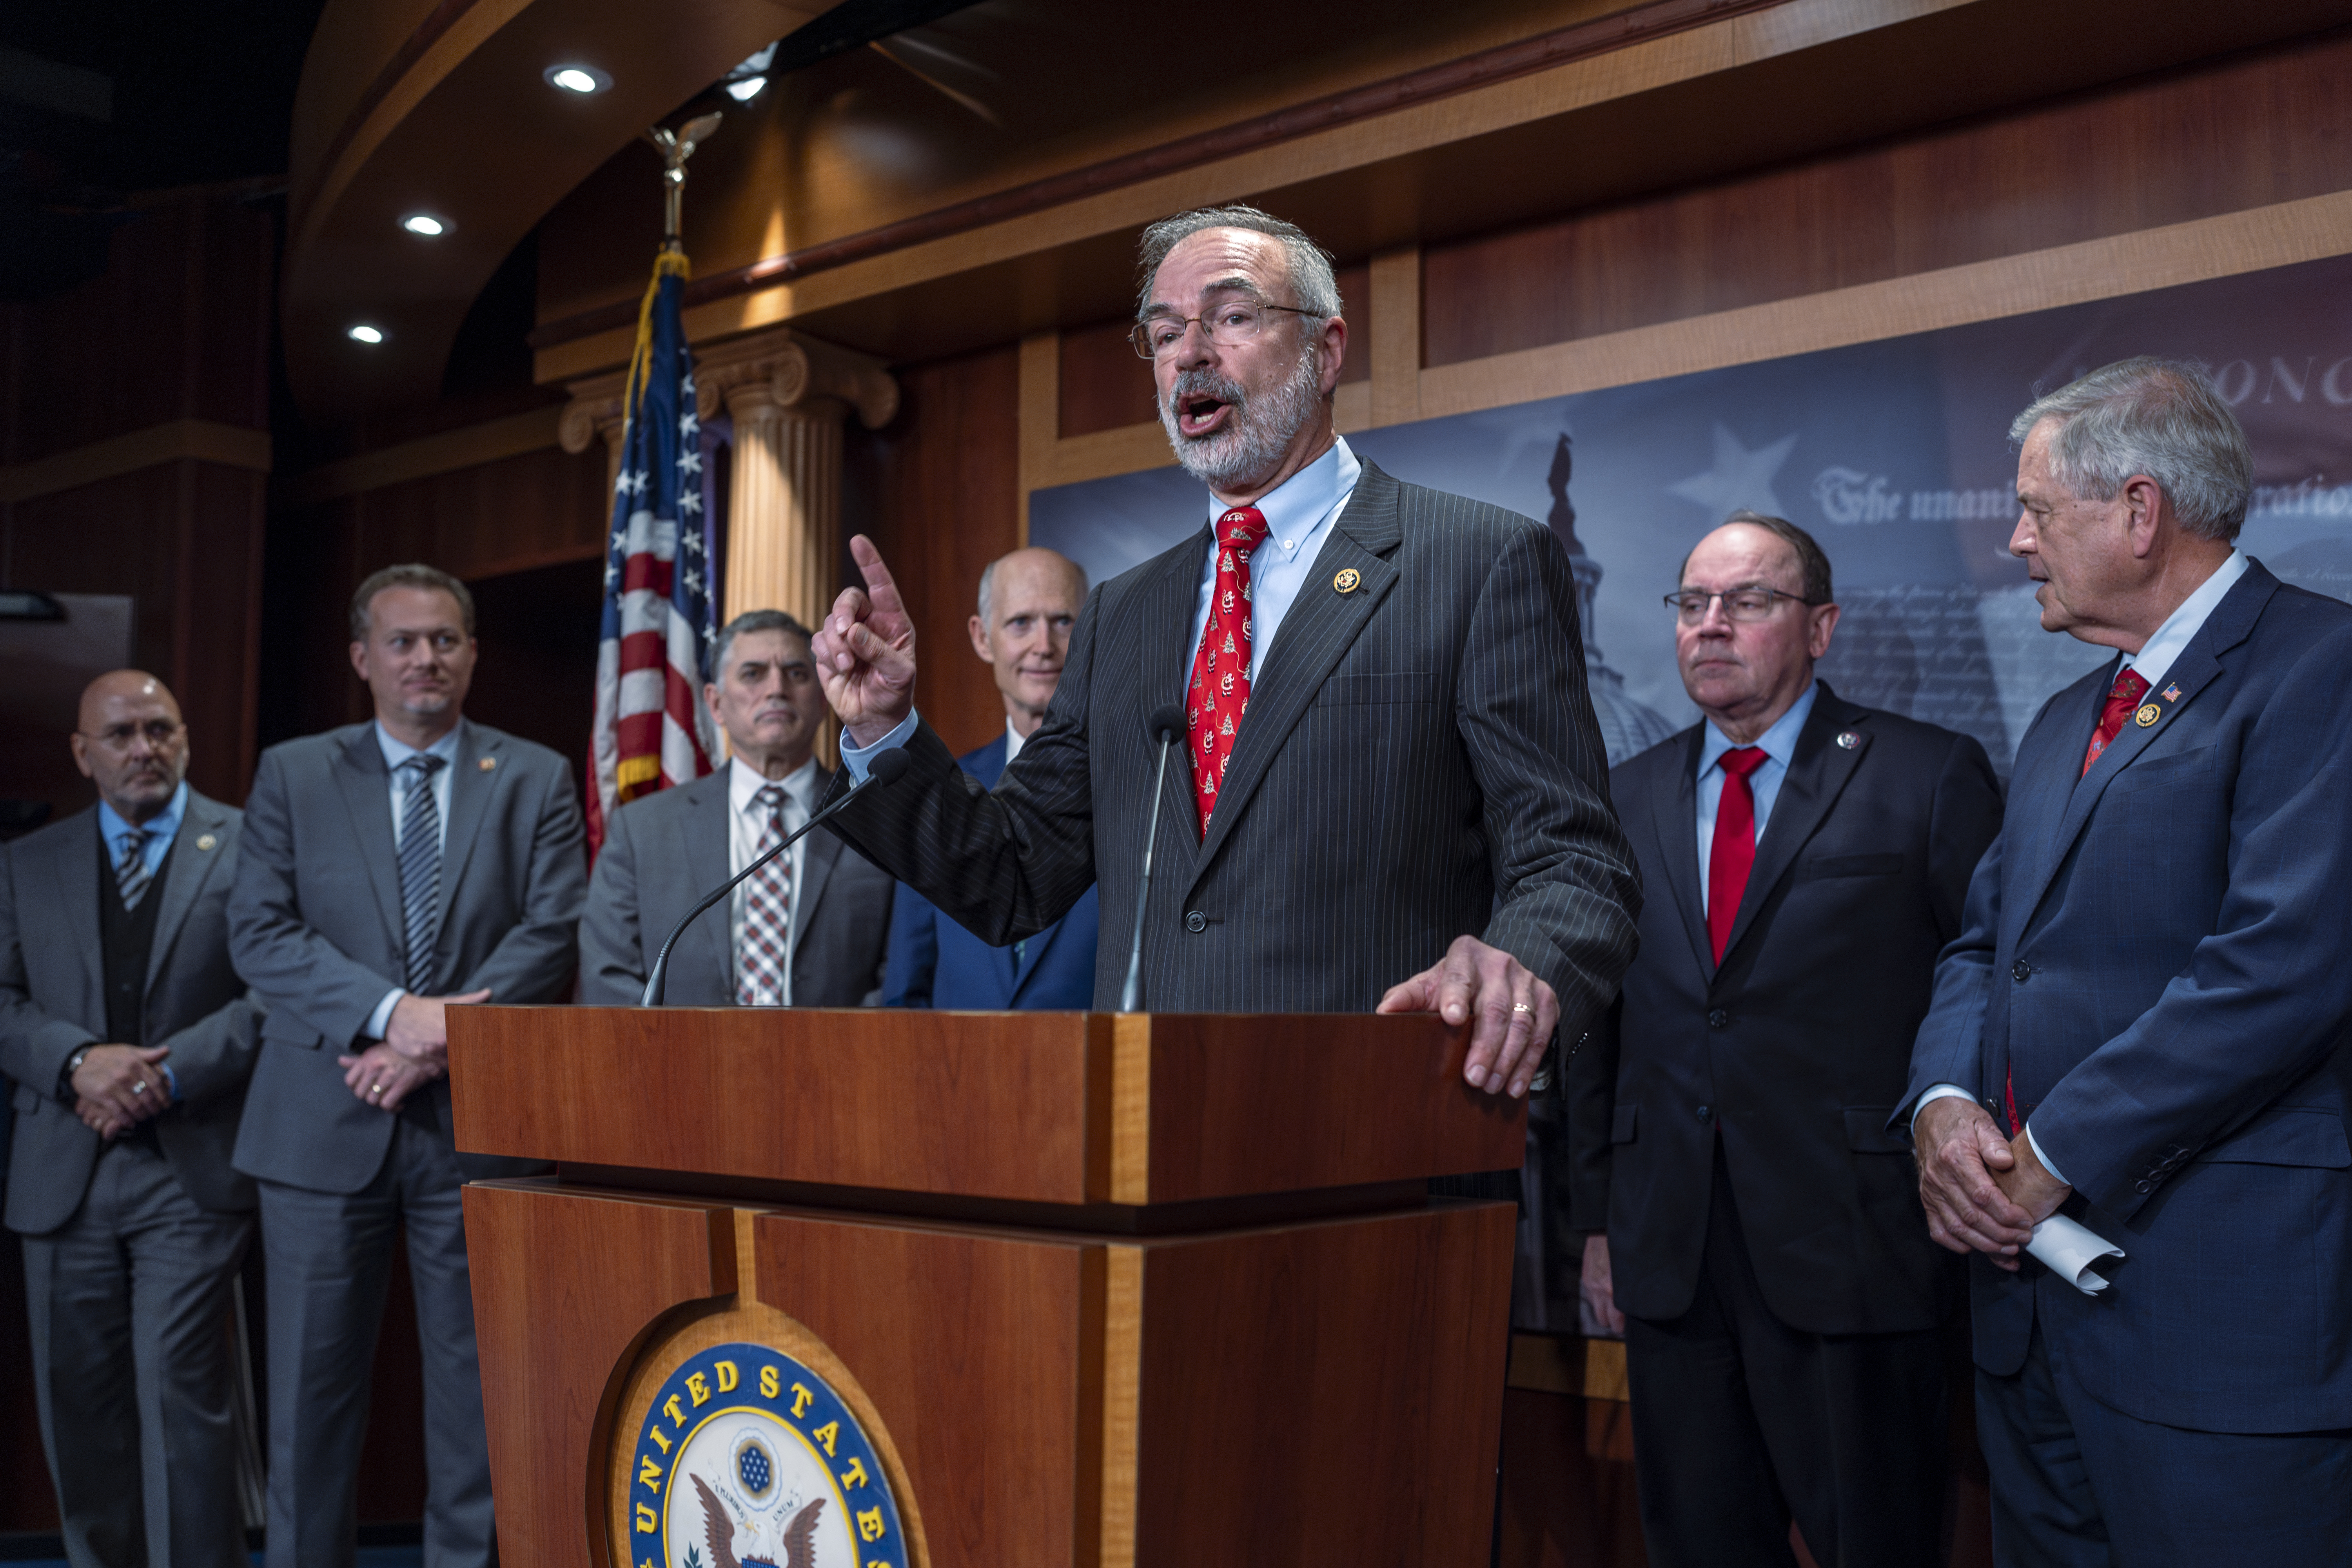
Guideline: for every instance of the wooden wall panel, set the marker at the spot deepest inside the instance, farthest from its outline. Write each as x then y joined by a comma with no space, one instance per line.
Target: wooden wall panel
936,490
2264,128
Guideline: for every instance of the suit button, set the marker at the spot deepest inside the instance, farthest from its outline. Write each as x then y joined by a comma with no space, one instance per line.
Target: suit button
1719,1019
1196,922
2143,1186
2020,969
1706,1113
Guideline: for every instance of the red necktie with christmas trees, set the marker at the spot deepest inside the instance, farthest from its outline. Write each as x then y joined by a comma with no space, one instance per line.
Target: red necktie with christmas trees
1219,693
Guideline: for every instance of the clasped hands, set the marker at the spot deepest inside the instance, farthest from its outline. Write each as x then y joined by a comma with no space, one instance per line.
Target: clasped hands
415,1050
1983,1193
118,1087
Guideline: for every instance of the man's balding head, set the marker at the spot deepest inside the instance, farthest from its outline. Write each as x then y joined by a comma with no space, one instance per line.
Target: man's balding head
130,742
1029,601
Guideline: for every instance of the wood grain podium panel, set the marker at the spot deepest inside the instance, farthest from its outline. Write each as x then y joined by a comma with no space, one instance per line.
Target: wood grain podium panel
565,1286
982,1352
1326,1393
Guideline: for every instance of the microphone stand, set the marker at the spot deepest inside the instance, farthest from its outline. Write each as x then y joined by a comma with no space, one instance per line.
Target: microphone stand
886,766
1167,722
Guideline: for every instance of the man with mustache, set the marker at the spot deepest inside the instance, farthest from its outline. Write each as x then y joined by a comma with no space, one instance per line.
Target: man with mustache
1752,1229
391,870
1029,604
1390,795
131,1039
812,928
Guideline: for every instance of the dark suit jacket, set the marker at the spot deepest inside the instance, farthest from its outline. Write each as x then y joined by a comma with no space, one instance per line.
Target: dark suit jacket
1796,1049
2162,950
315,925
938,963
51,1006
666,850
1420,762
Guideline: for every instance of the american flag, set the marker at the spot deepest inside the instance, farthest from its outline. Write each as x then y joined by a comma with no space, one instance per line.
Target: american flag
660,582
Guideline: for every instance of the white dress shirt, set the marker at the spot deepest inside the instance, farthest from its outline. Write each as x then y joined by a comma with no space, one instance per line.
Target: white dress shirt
2153,660
1297,512
1778,744
747,824
1014,740
395,752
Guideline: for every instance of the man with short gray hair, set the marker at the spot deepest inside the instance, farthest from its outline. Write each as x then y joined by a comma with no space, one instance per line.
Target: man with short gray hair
810,928
2146,1027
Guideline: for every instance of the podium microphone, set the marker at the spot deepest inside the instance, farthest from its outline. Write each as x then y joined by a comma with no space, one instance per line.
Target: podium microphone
885,767
1166,725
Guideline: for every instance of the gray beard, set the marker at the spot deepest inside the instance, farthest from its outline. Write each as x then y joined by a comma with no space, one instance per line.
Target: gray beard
1253,442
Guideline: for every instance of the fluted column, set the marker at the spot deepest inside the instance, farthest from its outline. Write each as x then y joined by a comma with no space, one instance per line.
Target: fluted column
595,410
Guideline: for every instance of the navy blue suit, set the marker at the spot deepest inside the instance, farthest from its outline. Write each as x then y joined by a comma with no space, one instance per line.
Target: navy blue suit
935,962
2160,952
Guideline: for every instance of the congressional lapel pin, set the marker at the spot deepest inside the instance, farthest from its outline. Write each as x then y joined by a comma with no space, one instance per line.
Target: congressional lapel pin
2148,714
1348,581
487,763
206,842
1849,740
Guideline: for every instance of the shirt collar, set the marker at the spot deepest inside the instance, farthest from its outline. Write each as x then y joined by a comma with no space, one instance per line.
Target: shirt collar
1295,510
1013,740
164,824
396,752
745,781
1779,743
2157,654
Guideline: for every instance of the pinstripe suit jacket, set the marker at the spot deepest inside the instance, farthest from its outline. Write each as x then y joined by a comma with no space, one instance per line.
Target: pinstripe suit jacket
1420,762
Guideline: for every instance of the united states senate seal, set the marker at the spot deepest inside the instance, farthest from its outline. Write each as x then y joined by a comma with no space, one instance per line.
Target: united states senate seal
750,1459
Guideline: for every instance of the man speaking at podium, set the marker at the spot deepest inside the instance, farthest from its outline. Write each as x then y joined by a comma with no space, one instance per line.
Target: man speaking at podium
1388,743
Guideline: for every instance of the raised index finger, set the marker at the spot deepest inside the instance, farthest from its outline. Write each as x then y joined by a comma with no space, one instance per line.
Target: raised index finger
880,586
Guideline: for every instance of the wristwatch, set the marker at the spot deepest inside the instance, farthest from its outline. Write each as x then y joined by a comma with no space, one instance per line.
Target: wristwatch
66,1073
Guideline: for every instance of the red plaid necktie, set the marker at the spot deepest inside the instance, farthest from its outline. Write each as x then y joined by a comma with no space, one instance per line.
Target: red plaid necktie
1219,695
2128,689
767,913
1733,854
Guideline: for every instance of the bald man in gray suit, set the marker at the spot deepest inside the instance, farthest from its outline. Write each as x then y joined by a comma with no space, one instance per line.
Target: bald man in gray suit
131,1039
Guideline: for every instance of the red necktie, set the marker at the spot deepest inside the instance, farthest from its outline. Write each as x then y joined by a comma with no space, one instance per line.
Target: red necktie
2128,689
1733,854
1219,695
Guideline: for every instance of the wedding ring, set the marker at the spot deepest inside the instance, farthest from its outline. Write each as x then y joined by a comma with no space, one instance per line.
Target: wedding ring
1521,1007
375,1089
138,1088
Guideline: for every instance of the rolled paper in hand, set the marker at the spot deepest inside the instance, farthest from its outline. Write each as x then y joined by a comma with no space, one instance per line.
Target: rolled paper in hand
2069,1250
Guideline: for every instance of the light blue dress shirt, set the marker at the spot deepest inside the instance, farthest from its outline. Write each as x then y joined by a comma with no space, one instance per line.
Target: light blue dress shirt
395,754
1298,513
160,828
2153,660
1779,743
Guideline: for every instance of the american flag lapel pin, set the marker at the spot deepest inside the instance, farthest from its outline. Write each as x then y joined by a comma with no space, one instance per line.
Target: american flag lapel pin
2172,693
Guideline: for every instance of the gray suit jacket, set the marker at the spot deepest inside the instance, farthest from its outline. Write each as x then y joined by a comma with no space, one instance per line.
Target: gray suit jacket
315,924
666,850
1420,762
50,1006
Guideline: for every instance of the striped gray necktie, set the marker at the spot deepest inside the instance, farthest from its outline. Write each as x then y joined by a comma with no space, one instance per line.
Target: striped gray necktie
130,873
420,869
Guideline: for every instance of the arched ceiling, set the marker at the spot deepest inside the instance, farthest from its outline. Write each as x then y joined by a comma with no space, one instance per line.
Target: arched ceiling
440,106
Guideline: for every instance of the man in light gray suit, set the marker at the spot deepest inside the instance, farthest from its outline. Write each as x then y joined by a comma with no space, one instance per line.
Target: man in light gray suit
813,928
1392,793
391,869
130,1038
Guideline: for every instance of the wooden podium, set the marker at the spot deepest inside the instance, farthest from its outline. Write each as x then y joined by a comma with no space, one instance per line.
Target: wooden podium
1101,1290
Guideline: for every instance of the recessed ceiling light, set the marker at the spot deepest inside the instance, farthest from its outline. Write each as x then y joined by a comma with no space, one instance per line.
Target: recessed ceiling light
582,80
423,224
746,90
364,334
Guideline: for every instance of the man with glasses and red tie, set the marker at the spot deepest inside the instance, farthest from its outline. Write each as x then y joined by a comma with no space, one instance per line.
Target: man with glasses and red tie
1390,794
1752,1226
131,1040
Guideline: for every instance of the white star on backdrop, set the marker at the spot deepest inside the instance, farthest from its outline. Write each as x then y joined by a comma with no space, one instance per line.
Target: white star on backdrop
1739,477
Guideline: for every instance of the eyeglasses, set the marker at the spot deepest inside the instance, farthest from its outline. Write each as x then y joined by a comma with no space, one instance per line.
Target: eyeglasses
1690,605
1229,326
160,732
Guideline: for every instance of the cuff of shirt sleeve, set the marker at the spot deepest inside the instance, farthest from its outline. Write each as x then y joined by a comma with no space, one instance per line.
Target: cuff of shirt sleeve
171,1081
1940,1091
380,1021
2041,1154
855,757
